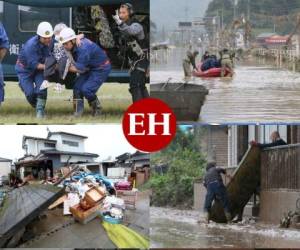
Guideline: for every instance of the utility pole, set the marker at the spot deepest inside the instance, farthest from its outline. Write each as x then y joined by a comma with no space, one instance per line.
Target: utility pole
234,9
248,10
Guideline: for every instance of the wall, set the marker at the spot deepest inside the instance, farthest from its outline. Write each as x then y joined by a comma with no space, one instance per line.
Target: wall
5,168
274,204
35,146
76,158
63,147
280,182
214,142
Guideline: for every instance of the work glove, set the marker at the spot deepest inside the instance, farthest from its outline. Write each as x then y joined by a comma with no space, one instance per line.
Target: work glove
117,18
253,143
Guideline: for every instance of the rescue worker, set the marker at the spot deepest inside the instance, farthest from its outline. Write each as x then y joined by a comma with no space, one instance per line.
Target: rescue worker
275,141
93,67
4,46
215,189
188,61
138,50
226,62
31,64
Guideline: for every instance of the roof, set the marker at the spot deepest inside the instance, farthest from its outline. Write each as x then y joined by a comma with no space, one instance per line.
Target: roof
66,133
5,160
58,152
37,138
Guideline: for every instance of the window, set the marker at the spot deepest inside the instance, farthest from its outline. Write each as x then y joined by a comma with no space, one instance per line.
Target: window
1,11
49,145
70,143
30,17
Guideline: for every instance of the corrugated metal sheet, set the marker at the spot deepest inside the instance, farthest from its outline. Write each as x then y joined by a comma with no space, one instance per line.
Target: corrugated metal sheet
281,168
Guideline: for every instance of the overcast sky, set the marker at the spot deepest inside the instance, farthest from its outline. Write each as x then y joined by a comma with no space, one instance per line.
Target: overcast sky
104,140
168,13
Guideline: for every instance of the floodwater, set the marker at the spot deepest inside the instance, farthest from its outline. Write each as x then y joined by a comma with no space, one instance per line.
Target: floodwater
171,228
258,92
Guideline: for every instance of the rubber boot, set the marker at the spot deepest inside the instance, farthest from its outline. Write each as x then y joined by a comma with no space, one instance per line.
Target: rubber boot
207,217
40,108
96,107
32,100
136,94
228,217
145,92
78,105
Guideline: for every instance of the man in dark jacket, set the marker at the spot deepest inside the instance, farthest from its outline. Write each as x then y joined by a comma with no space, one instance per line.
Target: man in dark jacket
215,189
275,141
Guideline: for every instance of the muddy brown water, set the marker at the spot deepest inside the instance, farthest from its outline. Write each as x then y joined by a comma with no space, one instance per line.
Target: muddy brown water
170,228
258,92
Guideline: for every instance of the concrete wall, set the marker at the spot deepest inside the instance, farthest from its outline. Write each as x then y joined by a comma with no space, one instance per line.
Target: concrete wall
199,196
215,144
64,147
5,168
274,204
35,146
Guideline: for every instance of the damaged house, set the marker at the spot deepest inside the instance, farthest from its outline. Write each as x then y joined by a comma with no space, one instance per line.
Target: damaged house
59,149
136,166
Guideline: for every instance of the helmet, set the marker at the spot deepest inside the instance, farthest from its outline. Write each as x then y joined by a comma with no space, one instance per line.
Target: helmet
66,35
45,30
129,7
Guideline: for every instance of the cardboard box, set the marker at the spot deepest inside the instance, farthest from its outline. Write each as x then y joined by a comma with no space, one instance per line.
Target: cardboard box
84,216
94,195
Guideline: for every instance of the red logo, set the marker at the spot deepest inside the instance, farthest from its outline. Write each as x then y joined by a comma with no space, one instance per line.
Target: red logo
149,125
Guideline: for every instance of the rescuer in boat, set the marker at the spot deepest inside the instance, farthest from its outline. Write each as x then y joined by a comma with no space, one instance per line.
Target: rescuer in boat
4,46
226,62
188,61
215,189
137,42
210,62
205,56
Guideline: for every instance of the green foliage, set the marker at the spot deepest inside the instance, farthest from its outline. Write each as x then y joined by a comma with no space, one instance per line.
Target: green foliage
185,164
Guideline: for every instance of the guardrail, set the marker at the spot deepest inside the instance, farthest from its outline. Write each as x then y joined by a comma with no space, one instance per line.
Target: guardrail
280,168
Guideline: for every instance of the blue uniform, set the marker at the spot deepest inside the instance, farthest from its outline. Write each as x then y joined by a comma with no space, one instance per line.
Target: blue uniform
30,79
94,63
4,44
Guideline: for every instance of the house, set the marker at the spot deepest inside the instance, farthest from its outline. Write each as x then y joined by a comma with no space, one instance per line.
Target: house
5,166
135,166
57,150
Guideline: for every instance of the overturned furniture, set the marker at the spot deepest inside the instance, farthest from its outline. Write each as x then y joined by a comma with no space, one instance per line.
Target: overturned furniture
23,205
243,185
185,99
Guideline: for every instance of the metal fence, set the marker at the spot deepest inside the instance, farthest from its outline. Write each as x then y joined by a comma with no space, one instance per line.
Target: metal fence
280,168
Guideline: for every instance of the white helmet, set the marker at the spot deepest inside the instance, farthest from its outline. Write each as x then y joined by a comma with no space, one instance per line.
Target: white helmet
66,35
45,30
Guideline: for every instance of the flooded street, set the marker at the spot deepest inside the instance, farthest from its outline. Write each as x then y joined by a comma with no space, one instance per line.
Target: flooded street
175,228
257,93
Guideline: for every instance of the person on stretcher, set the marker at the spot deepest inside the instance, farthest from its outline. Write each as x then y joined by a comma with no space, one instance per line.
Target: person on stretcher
57,65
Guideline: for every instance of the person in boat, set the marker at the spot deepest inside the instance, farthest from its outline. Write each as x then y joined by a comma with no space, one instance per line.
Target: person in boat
226,62
205,56
215,188
188,61
210,62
